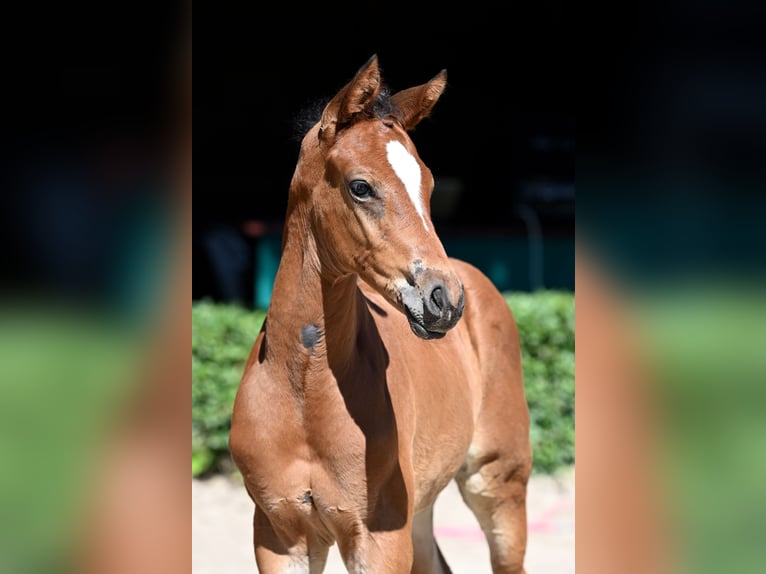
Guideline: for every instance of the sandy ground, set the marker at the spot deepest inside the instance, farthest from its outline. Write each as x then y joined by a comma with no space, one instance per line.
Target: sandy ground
222,514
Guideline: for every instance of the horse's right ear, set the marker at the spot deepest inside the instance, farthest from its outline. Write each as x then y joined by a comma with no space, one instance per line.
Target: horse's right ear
355,97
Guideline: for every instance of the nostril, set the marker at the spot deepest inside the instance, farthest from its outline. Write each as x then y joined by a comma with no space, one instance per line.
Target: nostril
437,297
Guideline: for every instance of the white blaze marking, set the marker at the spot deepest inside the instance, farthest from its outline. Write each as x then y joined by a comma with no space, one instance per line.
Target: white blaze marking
407,169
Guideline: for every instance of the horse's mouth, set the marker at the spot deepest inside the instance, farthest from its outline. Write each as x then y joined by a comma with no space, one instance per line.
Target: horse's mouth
419,328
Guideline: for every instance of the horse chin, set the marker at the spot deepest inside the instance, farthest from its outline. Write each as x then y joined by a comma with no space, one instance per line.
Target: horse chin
419,329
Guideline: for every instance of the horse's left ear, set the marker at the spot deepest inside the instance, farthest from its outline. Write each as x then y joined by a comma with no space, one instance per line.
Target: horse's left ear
416,103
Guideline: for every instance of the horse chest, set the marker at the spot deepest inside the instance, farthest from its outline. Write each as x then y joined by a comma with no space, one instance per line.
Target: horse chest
313,460
326,490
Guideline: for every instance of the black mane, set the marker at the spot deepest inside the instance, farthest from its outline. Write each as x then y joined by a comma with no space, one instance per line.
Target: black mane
305,119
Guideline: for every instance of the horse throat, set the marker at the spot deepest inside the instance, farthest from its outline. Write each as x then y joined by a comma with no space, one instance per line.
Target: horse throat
315,321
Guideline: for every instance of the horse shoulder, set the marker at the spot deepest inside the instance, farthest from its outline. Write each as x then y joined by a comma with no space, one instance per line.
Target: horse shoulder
265,419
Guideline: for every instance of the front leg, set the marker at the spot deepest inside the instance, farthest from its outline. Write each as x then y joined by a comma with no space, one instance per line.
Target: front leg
378,552
379,541
305,555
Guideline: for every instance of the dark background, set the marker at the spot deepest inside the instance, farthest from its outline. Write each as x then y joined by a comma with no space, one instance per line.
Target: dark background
92,110
92,107
503,133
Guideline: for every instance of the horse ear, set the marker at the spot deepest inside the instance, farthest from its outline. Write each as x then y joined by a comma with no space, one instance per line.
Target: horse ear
416,103
355,97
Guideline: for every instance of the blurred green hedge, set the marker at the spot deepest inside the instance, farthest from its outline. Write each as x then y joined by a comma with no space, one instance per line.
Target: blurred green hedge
546,322
223,334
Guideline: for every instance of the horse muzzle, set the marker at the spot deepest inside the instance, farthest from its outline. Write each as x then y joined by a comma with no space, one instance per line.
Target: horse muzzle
431,307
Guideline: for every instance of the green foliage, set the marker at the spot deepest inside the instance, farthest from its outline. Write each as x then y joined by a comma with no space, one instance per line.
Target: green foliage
546,322
223,335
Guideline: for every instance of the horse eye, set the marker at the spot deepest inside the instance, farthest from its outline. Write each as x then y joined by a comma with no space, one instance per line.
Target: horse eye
360,189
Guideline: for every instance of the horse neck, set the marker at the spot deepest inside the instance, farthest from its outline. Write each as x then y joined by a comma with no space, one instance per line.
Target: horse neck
312,316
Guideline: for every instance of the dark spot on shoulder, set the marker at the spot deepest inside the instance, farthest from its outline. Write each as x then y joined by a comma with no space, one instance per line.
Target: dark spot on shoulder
310,336
307,498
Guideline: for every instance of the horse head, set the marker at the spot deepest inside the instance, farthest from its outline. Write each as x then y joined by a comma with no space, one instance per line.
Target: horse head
366,193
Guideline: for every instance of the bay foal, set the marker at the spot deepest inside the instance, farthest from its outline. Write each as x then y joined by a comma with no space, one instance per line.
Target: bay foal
384,368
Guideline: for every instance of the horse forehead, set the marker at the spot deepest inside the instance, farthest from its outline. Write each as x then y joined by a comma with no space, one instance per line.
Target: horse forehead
372,141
